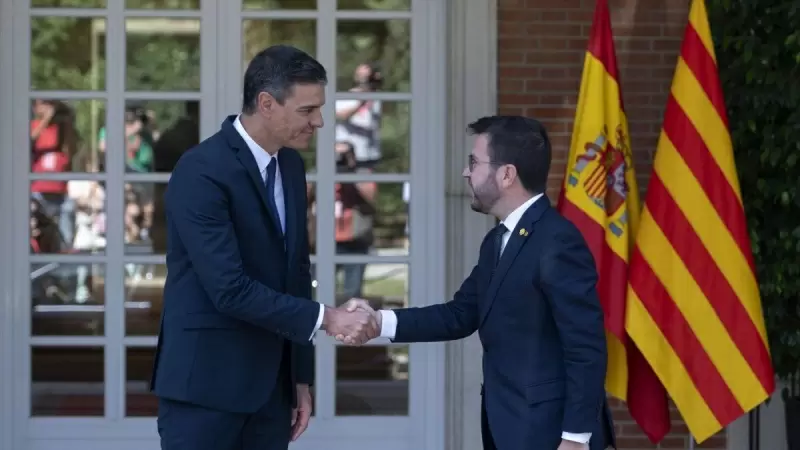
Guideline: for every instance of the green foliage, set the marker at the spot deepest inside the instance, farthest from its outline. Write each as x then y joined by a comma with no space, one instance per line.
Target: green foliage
758,49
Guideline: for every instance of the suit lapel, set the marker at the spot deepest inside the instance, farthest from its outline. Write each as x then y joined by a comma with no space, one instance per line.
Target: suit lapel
515,243
290,203
249,162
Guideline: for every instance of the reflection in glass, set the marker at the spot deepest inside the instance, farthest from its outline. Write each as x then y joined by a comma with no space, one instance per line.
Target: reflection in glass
380,5
62,135
259,34
364,47
67,299
372,381
279,4
67,381
371,218
145,219
373,135
384,285
312,217
67,217
144,298
162,4
68,53
68,3
163,54
157,133
139,401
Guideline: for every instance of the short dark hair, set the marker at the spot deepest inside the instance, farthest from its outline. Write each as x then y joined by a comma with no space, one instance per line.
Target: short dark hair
276,70
521,142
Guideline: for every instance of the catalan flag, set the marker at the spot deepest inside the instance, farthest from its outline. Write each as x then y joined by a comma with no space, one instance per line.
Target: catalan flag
601,198
693,302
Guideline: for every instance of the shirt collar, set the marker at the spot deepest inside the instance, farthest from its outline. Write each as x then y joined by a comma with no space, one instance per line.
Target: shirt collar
513,219
262,157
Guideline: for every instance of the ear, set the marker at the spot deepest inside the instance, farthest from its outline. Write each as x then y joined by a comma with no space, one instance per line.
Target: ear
266,102
508,175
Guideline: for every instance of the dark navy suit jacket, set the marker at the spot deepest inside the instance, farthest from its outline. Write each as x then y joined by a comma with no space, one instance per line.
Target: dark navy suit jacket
541,326
236,296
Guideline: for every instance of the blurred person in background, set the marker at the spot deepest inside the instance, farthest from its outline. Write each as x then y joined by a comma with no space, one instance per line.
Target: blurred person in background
355,212
359,121
54,140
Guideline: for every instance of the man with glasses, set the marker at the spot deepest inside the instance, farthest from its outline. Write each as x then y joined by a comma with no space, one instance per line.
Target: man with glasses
532,299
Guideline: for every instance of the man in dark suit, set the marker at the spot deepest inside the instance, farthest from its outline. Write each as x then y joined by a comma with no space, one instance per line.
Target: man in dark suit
532,299
234,361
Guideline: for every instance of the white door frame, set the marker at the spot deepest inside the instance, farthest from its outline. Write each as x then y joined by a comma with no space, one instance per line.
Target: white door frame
422,429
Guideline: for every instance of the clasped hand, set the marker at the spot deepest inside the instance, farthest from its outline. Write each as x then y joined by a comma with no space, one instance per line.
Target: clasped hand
353,323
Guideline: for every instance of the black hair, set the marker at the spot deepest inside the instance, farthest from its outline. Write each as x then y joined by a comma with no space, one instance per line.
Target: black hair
521,142
276,70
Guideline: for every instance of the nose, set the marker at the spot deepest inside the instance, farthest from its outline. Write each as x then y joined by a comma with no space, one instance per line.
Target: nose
465,173
316,120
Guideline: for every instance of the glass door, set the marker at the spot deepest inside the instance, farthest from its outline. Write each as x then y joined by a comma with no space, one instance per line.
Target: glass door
369,156
108,94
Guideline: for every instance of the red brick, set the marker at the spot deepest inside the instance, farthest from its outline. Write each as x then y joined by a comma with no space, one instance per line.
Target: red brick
541,48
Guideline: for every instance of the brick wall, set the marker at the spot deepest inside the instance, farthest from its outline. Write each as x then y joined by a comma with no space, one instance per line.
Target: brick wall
541,46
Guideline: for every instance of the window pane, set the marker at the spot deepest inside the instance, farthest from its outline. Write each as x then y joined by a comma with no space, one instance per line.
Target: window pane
372,381
162,4
157,133
67,216
139,401
68,53
67,299
68,3
384,285
371,218
262,33
144,218
144,298
279,4
162,54
64,135
368,48
67,381
382,5
373,136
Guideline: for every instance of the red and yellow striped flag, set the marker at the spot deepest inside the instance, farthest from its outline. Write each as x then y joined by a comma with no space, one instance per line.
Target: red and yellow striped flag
693,302
601,198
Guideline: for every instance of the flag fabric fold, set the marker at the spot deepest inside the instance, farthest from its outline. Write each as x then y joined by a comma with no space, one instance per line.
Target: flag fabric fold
600,196
694,308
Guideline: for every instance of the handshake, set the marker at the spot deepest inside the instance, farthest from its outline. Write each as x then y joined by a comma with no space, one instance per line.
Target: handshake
353,323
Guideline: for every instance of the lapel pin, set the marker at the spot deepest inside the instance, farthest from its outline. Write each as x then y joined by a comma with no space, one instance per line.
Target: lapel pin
523,232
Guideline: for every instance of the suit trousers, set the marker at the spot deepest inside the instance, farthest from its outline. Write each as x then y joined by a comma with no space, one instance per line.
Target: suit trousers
185,426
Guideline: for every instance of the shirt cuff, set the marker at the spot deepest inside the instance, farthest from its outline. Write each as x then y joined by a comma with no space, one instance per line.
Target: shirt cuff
582,438
319,321
388,323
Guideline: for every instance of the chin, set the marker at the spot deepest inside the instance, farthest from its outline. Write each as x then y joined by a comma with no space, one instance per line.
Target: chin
300,144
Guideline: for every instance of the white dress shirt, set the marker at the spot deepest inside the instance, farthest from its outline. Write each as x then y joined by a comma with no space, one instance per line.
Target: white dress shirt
263,158
389,318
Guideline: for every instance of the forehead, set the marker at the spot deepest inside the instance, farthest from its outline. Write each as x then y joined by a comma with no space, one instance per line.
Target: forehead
480,147
307,94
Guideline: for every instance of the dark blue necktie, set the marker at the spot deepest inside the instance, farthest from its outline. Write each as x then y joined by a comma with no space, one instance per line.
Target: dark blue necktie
273,207
497,238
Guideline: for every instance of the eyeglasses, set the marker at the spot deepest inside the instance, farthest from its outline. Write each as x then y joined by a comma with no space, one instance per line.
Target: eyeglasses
472,162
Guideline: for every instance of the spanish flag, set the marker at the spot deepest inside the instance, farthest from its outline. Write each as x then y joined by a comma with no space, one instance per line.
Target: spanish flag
601,198
693,302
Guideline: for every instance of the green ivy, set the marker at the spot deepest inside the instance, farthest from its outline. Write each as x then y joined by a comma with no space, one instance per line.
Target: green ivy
758,51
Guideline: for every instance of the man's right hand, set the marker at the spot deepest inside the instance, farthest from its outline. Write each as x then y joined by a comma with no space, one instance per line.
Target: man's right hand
351,326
